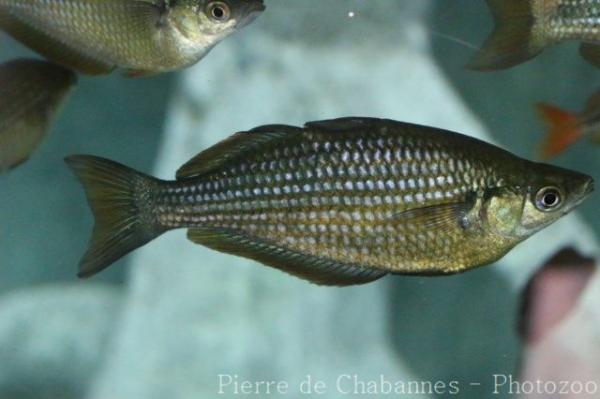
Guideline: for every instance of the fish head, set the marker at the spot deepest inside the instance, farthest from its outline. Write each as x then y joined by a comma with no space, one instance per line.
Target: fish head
209,21
551,193
515,212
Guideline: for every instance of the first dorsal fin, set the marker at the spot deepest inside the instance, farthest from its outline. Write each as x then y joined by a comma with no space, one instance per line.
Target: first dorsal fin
348,123
237,145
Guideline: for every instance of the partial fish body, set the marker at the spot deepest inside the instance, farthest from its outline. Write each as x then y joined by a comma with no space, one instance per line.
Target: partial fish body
524,28
141,36
553,293
566,128
336,202
31,94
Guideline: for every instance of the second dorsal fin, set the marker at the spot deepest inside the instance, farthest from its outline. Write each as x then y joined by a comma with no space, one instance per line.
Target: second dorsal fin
234,146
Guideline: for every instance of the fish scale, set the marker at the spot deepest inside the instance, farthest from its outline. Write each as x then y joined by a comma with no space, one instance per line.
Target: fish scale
524,28
575,19
399,173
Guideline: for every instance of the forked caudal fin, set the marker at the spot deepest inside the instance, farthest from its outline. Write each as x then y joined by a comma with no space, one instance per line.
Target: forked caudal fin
513,41
564,129
118,197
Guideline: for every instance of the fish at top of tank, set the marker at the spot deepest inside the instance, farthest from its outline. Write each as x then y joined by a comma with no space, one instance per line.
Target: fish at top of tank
143,37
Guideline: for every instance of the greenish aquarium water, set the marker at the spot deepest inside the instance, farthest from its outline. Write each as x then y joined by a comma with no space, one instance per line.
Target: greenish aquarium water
178,320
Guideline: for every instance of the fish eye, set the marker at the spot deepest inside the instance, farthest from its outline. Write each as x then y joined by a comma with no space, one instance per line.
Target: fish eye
218,11
548,199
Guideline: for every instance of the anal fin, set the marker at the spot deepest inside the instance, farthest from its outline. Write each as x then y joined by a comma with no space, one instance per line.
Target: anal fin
317,270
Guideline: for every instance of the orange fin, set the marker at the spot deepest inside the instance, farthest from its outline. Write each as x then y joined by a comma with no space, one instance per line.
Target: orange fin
564,129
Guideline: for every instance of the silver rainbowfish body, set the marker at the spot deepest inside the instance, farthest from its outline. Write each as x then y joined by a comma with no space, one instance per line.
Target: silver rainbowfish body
335,202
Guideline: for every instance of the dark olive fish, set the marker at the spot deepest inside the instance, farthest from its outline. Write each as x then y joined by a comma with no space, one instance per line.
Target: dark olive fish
142,36
524,28
336,202
31,94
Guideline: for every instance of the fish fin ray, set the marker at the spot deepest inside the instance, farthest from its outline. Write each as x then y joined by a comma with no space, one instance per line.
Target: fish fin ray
314,269
436,217
120,224
512,41
239,144
51,48
564,129
591,53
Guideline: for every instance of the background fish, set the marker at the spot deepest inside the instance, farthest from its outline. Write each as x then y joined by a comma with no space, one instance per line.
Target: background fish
31,93
566,127
552,293
337,202
525,27
143,36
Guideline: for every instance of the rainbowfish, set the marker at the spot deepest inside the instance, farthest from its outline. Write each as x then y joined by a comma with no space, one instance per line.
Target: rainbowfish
31,94
524,28
336,202
566,127
142,36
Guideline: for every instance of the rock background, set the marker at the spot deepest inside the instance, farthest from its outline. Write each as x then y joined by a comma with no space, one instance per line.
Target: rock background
188,314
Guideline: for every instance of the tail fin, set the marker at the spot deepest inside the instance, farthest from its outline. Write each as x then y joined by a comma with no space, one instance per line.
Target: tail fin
563,130
117,196
512,41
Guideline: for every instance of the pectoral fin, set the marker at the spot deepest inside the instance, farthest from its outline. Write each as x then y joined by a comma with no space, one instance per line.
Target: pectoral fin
591,53
317,270
439,217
